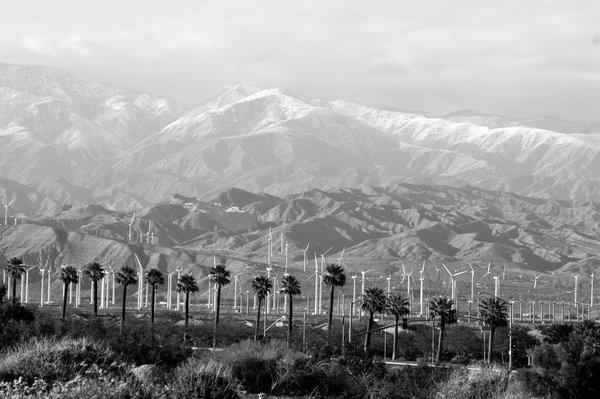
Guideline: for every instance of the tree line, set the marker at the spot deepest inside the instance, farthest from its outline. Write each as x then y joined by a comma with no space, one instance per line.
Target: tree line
493,310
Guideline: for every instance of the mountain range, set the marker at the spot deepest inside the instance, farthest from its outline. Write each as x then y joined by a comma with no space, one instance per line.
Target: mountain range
74,141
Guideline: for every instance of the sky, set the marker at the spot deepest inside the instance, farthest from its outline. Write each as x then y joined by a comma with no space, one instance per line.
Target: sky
523,58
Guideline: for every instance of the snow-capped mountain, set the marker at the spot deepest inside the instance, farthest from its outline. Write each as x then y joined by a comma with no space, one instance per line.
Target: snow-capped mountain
70,137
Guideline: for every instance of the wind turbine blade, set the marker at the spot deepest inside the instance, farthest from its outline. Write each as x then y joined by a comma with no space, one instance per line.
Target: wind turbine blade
138,261
446,269
11,202
459,273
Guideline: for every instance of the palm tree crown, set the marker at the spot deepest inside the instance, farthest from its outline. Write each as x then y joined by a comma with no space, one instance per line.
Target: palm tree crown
290,285
126,276
397,305
494,312
373,300
219,275
187,283
69,275
334,275
15,268
155,277
262,286
442,307
94,271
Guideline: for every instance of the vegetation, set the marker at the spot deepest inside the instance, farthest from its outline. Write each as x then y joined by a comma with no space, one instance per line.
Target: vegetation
187,284
334,277
15,269
262,287
494,314
219,276
373,301
125,276
290,287
69,276
94,272
154,278
442,308
398,306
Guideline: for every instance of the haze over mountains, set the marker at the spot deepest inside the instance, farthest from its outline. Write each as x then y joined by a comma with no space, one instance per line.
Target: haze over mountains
328,172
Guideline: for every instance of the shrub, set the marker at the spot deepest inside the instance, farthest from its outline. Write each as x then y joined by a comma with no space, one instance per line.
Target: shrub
52,360
467,384
200,378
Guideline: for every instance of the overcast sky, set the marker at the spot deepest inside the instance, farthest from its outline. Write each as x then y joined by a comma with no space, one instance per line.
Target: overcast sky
521,57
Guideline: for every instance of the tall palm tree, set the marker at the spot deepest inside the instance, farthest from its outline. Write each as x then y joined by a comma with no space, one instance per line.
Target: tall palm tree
442,307
125,276
262,287
373,301
334,277
154,277
290,286
494,313
69,276
187,283
95,272
218,275
398,306
15,269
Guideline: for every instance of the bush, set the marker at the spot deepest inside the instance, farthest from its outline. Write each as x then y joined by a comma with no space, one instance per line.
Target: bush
52,360
200,378
463,344
467,384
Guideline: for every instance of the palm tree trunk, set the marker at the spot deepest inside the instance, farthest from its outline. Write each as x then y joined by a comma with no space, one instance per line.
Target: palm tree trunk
290,323
368,334
330,321
217,315
397,320
123,304
490,345
14,291
152,306
65,294
441,339
95,291
187,310
257,320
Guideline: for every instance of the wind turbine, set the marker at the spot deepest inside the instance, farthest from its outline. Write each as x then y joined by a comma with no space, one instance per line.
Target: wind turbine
341,256
453,282
576,287
304,252
27,284
472,282
235,287
535,279
592,289
141,283
421,280
496,285
389,284
6,206
42,272
130,232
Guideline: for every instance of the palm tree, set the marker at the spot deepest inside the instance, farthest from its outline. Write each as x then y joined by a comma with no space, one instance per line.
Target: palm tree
15,269
442,307
187,283
95,272
399,306
373,301
154,277
262,287
334,277
494,313
290,286
125,276
218,275
69,276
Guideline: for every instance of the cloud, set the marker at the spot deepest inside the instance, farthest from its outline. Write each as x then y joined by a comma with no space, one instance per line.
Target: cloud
45,46
596,41
38,44
387,69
